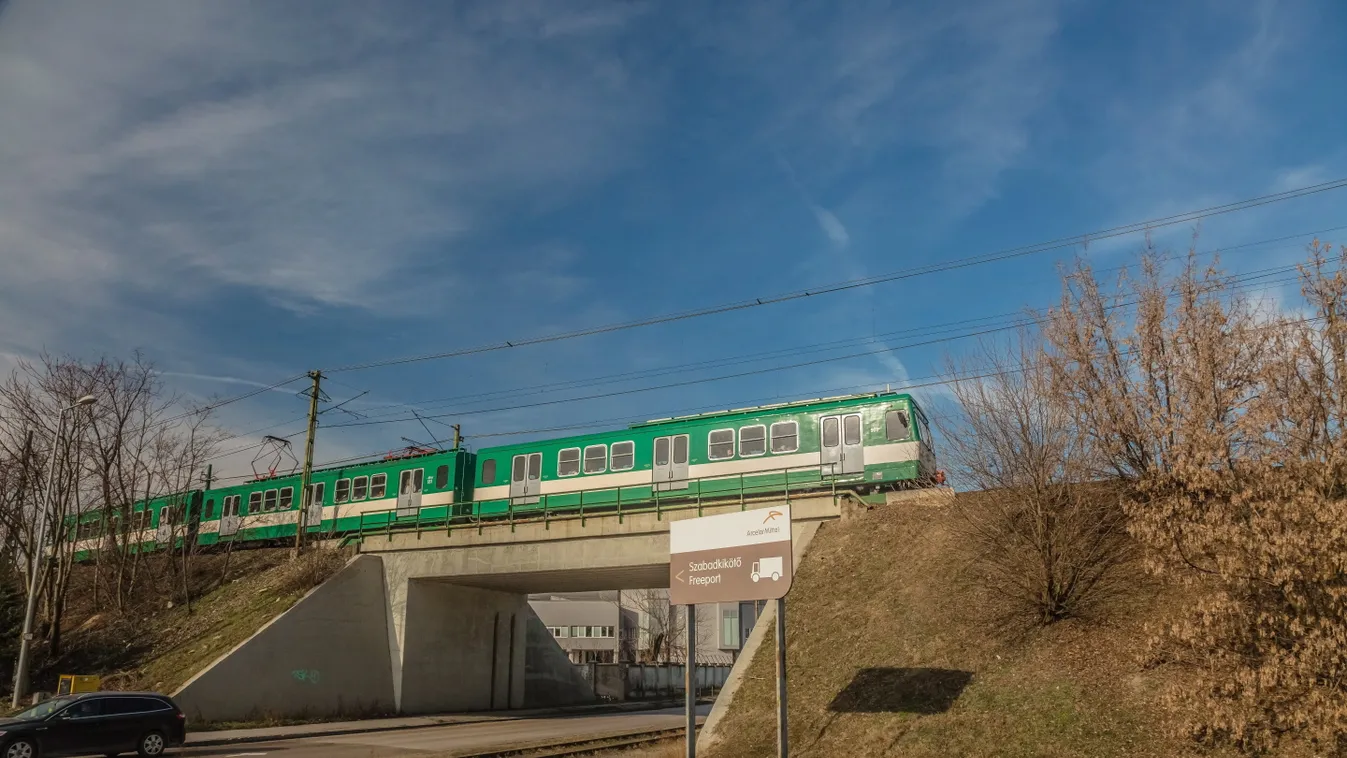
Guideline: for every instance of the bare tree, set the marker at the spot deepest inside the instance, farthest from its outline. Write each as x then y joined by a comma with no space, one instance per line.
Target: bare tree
1041,537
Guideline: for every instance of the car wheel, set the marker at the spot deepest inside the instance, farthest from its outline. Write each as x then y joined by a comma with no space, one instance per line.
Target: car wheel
21,748
151,745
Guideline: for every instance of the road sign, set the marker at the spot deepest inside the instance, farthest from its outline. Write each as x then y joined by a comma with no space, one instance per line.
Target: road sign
735,556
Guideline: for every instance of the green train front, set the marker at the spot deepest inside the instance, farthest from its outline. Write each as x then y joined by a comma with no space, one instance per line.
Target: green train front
865,442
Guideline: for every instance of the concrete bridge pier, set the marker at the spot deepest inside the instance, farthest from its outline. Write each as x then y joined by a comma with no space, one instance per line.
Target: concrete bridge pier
456,648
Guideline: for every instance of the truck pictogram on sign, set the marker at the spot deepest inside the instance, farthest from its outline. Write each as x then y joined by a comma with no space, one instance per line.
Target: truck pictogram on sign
768,567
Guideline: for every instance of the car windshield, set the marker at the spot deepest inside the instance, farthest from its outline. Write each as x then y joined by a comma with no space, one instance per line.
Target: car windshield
45,708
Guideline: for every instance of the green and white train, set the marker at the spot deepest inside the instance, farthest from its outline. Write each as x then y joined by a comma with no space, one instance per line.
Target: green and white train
868,444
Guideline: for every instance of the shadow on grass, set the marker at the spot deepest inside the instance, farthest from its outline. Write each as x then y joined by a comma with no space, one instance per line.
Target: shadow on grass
923,691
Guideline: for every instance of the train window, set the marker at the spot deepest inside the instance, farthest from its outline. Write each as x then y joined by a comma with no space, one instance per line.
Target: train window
851,430
359,487
752,440
720,444
662,451
269,500
210,508
785,437
317,491
488,472
378,484
521,463
680,449
624,456
568,461
441,477
287,498
343,490
410,482
896,425
596,459
254,502
830,435
535,466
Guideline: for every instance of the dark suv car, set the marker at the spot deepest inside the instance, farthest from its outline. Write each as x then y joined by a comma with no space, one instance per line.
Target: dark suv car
95,722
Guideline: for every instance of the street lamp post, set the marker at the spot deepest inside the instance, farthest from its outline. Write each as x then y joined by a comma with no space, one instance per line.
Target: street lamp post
25,642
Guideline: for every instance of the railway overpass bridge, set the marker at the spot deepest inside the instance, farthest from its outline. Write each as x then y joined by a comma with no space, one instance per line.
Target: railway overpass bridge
437,620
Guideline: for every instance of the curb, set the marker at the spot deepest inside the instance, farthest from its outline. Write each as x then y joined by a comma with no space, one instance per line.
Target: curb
432,721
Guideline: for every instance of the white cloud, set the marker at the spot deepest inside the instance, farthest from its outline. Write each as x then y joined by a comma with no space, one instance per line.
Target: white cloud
314,154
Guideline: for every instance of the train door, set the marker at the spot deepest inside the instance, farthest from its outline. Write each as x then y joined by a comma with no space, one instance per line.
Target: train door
409,492
229,516
165,531
313,508
841,446
526,478
671,463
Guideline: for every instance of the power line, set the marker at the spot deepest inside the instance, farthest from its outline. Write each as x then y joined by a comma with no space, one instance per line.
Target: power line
425,404
1244,278
1001,255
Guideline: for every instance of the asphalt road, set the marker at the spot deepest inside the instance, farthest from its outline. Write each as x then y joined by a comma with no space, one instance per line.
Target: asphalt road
429,741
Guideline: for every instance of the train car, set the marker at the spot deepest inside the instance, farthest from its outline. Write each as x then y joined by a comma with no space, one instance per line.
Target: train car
865,442
342,498
149,525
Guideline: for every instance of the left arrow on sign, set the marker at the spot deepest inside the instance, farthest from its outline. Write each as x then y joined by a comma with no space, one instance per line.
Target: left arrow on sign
679,576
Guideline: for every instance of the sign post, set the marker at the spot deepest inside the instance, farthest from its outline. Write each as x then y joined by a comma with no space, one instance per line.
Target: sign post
746,555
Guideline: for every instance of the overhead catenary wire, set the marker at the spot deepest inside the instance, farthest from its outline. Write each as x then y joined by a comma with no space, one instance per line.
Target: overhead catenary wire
1000,255
429,403
1248,277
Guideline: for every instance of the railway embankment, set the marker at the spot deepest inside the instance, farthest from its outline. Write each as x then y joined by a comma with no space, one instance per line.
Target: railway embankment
893,649
148,638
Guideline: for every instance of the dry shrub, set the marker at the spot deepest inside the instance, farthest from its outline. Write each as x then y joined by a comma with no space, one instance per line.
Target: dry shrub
1043,540
310,569
1227,420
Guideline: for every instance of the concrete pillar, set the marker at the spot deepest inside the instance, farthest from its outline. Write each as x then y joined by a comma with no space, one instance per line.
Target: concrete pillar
458,648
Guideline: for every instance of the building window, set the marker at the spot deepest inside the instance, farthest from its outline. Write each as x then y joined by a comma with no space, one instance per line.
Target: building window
378,484
359,487
343,490
752,440
596,459
568,462
441,477
488,472
720,444
729,628
785,437
624,456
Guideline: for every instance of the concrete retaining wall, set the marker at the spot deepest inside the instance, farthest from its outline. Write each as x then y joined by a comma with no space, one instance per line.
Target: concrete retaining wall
327,655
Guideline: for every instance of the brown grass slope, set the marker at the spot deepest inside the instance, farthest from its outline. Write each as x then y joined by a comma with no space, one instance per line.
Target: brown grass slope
157,644
893,651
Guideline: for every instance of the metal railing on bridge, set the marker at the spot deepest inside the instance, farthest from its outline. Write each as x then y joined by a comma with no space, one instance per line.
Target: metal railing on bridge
608,502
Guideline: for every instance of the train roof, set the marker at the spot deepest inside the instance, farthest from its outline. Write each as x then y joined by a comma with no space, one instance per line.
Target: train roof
793,405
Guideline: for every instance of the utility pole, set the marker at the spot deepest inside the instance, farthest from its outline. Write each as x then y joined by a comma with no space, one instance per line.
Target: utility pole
458,437
302,522
209,470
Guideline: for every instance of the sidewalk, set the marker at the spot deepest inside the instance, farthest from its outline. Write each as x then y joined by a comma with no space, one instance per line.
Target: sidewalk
331,728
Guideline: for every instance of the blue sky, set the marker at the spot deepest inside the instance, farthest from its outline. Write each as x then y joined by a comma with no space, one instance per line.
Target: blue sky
247,190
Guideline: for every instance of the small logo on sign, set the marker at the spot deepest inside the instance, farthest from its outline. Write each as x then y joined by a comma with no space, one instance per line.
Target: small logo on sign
771,515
